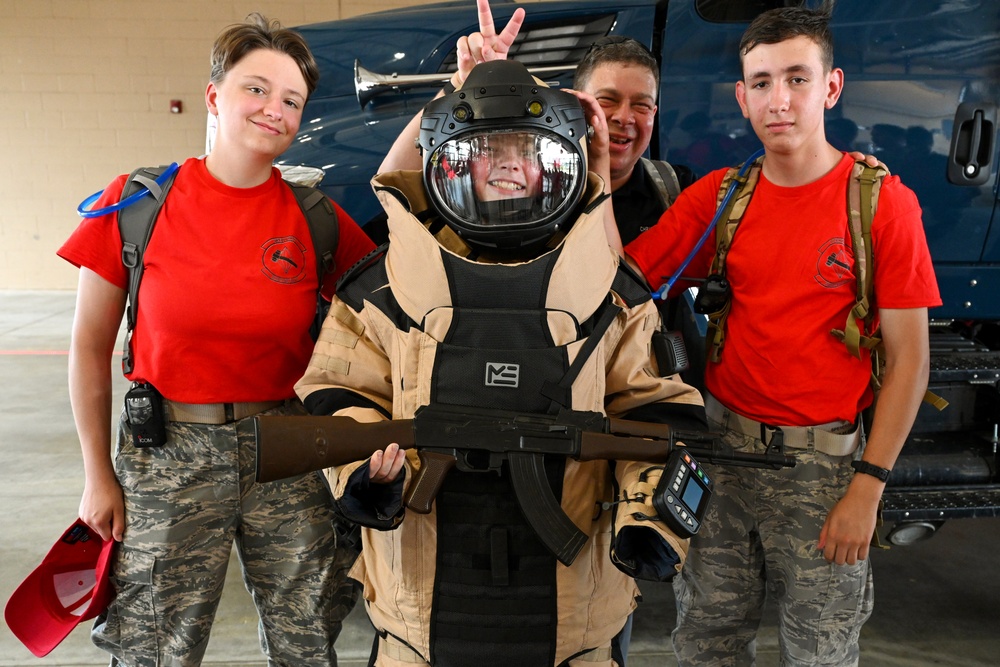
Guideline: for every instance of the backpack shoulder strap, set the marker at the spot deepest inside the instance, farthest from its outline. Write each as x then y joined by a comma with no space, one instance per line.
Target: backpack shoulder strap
664,178
321,216
862,201
725,230
324,228
732,215
135,225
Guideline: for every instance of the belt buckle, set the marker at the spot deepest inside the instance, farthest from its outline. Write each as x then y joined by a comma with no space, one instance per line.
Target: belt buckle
230,413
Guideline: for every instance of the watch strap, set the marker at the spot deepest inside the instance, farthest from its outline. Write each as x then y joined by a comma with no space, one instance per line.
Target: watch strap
871,469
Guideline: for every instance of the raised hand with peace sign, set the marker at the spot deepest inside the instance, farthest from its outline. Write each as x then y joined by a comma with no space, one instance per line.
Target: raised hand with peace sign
478,47
485,45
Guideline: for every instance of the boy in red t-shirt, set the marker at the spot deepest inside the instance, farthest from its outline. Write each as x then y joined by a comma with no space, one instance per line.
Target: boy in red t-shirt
803,534
227,298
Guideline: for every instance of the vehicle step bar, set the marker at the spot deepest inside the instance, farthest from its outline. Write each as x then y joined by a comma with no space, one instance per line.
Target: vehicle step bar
940,503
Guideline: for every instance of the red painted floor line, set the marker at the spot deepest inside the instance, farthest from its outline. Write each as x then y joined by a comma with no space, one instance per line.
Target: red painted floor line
38,353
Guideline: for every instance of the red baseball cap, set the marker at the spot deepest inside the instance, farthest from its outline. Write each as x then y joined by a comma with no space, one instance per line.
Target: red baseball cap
71,585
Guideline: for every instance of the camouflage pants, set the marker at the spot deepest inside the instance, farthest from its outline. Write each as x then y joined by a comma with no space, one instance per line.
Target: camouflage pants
758,539
186,504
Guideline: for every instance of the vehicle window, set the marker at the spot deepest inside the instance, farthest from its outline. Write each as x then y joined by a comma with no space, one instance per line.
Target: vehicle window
738,11
551,44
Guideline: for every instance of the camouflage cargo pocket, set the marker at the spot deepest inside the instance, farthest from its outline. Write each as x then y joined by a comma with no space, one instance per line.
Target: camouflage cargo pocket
128,628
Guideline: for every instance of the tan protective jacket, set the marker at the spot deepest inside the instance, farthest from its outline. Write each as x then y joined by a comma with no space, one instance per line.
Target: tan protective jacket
367,354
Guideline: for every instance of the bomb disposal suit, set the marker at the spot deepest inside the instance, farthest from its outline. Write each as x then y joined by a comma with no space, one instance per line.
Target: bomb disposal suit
498,290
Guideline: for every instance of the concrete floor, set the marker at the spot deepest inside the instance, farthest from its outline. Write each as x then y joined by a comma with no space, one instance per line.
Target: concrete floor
937,602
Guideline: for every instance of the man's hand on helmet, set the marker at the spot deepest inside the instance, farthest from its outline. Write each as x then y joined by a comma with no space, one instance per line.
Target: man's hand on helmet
598,156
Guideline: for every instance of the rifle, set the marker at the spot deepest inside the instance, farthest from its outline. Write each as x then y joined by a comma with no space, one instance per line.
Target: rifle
479,440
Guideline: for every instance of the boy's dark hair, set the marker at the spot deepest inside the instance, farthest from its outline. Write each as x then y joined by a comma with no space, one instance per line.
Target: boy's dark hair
619,50
257,32
783,23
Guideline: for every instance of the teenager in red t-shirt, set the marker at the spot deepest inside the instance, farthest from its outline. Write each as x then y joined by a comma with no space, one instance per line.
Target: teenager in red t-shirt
227,298
803,534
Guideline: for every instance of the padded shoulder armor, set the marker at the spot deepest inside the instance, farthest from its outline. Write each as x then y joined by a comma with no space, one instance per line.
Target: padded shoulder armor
630,286
367,281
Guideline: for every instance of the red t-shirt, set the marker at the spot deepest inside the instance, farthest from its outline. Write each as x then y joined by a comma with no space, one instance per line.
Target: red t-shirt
229,289
791,271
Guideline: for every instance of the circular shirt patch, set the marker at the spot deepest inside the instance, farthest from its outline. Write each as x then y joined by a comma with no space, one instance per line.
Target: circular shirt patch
284,259
835,265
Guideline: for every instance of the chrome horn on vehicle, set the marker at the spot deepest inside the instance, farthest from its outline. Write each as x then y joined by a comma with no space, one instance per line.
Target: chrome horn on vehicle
369,84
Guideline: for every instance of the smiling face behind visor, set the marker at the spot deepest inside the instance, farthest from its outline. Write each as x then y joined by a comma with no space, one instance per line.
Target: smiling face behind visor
507,166
494,185
504,157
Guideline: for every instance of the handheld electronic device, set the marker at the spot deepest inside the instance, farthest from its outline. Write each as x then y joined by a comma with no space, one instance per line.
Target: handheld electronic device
144,413
671,354
713,295
682,494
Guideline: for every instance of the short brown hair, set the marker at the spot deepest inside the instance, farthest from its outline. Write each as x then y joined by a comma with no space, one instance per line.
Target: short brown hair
783,23
618,50
257,32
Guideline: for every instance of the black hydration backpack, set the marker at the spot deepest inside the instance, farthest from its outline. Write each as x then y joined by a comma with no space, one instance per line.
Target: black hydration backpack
135,223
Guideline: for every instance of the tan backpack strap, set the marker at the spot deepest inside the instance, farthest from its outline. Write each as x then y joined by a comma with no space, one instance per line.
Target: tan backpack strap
663,177
862,200
725,231
935,401
732,215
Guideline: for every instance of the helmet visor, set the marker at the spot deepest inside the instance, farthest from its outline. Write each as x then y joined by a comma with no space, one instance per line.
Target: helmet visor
492,180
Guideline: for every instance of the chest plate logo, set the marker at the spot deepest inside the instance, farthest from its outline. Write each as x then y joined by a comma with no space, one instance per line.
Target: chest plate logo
499,374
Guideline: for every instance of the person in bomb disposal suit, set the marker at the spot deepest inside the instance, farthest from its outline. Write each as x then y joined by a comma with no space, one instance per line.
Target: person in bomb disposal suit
232,226
466,282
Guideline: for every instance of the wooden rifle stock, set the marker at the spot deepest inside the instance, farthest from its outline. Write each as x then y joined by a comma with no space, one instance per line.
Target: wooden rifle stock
290,445
293,445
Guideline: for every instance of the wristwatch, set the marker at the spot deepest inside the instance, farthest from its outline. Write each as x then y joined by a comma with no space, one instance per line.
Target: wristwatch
870,469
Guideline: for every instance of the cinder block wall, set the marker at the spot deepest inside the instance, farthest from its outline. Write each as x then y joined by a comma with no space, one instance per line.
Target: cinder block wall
85,91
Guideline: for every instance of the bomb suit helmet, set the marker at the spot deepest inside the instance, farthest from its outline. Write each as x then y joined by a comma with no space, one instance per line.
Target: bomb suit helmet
504,157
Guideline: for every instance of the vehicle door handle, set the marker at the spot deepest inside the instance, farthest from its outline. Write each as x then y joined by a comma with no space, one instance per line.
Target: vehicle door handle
972,139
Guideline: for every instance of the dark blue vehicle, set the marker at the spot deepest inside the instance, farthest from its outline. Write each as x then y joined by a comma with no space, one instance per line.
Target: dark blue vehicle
922,91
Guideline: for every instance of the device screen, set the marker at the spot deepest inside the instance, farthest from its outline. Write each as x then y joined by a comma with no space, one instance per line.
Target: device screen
692,495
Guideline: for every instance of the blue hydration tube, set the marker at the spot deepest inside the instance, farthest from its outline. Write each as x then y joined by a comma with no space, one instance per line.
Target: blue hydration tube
128,201
665,287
